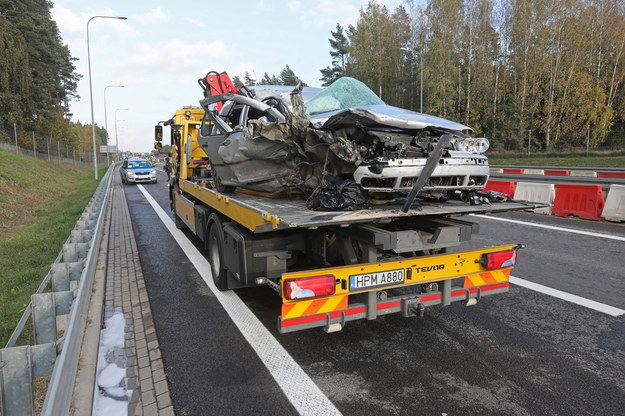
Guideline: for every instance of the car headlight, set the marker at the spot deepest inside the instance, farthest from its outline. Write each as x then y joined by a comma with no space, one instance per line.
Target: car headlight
476,145
131,173
153,172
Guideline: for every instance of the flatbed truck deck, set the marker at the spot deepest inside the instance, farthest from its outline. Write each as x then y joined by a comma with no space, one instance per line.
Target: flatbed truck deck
260,213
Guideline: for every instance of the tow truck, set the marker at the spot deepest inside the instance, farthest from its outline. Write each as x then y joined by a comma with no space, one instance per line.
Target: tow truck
331,267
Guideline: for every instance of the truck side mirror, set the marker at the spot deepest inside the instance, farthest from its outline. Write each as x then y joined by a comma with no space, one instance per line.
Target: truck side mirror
158,133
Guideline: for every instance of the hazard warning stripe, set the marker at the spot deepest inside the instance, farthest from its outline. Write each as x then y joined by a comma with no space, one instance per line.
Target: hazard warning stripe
460,292
312,307
487,278
322,316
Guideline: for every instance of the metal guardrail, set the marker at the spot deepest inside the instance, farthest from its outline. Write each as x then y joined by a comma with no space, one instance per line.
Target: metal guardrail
582,180
576,168
61,311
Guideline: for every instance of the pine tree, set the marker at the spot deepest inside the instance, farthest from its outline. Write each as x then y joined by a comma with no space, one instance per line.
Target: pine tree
45,77
288,77
248,80
339,54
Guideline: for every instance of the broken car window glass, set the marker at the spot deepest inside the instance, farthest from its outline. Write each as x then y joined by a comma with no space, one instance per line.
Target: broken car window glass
344,93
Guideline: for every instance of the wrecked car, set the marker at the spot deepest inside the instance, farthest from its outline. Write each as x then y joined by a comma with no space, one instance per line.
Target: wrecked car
295,140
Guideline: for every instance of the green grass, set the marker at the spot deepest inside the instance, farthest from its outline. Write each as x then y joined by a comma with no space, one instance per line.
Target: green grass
40,204
594,159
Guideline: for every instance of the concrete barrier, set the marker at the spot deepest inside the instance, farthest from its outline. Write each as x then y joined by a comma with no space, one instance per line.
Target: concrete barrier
614,209
534,171
536,192
585,173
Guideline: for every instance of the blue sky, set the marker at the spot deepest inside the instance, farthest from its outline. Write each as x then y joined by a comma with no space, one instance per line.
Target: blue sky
161,50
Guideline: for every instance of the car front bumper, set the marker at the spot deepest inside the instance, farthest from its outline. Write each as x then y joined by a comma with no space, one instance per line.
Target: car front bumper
459,172
141,178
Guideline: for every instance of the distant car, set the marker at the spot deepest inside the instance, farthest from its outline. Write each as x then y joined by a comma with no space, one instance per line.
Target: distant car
274,139
135,170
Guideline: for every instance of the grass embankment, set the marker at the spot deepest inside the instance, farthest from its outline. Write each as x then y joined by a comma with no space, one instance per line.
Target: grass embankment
594,159
40,202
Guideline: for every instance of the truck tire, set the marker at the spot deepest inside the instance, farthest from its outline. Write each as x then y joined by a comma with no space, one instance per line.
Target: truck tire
215,245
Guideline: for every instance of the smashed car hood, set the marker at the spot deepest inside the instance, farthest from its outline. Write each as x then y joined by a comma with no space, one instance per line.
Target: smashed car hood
385,115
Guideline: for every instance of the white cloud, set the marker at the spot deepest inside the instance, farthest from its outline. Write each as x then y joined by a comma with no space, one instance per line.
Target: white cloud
332,12
294,5
326,12
133,79
69,21
196,22
72,23
262,6
187,79
175,55
153,16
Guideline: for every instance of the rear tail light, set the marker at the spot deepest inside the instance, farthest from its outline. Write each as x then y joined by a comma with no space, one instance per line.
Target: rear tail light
499,259
310,287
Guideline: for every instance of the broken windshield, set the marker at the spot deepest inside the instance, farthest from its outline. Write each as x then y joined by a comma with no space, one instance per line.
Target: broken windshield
343,93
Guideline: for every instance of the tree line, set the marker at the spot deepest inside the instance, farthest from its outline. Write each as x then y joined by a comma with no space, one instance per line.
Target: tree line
286,77
549,70
552,70
37,79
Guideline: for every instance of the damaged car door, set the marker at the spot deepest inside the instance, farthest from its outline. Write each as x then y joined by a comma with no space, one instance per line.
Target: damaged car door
240,154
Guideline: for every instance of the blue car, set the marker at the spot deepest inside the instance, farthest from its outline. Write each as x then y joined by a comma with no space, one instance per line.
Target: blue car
135,170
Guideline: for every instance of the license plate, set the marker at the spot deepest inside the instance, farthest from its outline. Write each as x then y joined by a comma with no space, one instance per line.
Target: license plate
369,280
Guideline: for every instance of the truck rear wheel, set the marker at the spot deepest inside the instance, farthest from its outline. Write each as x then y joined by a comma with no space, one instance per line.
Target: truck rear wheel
216,256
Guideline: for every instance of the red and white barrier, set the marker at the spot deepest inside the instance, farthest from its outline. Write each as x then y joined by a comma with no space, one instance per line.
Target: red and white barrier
543,193
500,186
614,209
533,172
611,174
584,201
553,172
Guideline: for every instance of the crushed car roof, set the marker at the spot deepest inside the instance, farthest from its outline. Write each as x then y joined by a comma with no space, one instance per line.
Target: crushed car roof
342,104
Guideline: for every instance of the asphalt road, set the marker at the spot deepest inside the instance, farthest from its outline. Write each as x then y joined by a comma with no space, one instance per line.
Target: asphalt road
520,353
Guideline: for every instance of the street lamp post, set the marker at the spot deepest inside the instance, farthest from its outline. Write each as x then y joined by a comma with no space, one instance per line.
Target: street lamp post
106,125
116,110
95,154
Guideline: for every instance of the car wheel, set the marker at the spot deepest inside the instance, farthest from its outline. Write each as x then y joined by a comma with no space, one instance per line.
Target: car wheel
155,181
220,187
216,256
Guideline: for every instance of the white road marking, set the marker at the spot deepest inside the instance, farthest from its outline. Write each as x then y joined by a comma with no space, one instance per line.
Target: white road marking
298,387
551,227
601,307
